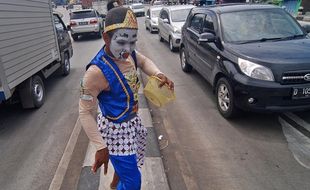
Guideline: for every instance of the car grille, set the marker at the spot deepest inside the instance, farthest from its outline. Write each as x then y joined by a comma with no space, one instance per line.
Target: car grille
296,77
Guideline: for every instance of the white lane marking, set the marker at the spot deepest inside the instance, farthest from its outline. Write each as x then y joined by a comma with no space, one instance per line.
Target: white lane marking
298,143
298,120
66,157
90,155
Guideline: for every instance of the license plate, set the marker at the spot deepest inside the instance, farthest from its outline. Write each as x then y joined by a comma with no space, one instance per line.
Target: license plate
301,93
83,23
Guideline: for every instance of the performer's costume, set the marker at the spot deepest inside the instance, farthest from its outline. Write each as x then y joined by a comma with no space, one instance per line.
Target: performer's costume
117,91
119,125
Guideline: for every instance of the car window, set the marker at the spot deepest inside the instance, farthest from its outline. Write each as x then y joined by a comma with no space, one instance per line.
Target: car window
163,14
83,14
58,24
258,24
155,13
208,25
179,15
197,22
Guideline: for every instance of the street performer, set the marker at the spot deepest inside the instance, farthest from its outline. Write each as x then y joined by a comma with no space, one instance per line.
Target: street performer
111,78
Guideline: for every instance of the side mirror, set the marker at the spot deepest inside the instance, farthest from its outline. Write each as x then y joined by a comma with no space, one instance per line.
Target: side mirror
166,21
206,38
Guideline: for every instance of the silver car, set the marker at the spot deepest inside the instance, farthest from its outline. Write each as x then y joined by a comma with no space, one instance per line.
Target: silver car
138,9
86,21
170,21
151,19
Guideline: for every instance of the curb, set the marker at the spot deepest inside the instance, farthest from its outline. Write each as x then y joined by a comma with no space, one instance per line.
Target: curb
153,173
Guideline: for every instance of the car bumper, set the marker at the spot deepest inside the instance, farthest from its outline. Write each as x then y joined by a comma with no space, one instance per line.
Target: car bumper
268,96
85,29
154,27
176,39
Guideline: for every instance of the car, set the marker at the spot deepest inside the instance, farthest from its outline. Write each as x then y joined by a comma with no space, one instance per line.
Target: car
86,21
157,3
170,22
252,62
151,19
138,9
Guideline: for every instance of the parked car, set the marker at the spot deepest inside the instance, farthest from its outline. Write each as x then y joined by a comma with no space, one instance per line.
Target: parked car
151,19
87,21
170,22
250,59
138,9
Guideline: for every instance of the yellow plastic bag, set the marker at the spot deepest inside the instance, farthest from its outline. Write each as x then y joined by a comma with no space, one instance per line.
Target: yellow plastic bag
158,96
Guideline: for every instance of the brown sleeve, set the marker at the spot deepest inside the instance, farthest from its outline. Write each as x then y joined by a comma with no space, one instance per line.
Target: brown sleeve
92,84
146,65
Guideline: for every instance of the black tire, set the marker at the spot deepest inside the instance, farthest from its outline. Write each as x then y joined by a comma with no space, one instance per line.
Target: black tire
171,47
161,39
32,92
225,99
74,37
65,65
186,67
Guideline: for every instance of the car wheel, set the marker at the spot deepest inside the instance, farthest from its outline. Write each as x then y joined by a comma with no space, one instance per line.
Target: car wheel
225,98
32,92
74,37
161,39
65,65
184,64
171,47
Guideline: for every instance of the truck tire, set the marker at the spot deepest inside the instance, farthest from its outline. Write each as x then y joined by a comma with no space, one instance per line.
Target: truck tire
65,65
32,92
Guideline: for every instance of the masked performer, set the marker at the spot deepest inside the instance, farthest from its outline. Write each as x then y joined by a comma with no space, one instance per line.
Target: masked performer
111,77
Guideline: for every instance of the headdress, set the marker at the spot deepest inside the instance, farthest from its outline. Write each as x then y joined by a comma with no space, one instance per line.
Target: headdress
120,17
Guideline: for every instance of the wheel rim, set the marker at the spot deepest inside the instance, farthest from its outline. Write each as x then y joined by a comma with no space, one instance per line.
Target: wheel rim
223,97
183,59
38,92
67,65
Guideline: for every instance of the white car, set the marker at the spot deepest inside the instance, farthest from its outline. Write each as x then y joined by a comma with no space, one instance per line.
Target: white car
86,21
170,21
151,18
138,9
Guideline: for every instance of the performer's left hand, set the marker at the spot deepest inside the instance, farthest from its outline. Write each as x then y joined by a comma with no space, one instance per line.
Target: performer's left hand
165,80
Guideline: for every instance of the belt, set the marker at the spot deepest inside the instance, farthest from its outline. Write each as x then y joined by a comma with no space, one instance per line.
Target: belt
128,118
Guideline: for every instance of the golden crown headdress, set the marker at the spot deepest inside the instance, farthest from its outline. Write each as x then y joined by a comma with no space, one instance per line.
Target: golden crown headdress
129,22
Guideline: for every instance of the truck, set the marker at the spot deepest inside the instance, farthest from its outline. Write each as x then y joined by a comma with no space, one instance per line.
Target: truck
34,44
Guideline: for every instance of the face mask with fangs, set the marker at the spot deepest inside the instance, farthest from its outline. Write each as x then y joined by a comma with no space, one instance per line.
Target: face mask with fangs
123,43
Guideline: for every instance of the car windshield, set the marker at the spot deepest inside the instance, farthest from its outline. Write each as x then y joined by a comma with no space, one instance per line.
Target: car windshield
258,25
83,14
155,13
179,15
137,6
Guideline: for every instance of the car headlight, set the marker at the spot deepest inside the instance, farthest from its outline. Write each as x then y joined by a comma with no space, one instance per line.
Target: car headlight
254,70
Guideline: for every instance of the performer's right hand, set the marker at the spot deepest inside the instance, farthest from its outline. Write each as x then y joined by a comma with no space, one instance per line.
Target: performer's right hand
101,157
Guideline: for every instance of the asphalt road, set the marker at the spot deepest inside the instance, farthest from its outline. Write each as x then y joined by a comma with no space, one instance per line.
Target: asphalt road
204,150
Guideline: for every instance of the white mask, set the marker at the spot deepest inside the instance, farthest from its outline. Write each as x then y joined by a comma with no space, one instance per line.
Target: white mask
123,43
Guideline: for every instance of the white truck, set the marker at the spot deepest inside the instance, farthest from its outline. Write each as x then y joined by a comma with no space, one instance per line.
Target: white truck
34,43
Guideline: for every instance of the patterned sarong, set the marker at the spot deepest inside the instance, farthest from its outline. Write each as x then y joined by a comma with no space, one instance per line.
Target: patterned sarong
124,139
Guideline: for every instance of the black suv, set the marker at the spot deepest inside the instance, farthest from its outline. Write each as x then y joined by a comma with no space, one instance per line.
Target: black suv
257,57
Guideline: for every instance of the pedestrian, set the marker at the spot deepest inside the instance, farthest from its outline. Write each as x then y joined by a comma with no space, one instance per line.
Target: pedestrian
111,78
